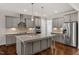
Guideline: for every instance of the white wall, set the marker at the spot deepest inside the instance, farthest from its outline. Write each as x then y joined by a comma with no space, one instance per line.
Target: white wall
49,26
43,26
46,26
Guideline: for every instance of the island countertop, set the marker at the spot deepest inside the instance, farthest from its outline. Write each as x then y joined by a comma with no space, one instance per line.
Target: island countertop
33,37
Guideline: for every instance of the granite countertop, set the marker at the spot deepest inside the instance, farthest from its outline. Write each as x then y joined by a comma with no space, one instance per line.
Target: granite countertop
31,38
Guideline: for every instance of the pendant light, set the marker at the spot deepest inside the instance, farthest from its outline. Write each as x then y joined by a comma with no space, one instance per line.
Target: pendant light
42,11
32,12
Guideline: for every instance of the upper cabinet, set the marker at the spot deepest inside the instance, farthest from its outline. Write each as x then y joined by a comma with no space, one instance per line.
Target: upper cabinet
74,17
28,20
58,22
71,17
31,24
12,21
67,18
37,21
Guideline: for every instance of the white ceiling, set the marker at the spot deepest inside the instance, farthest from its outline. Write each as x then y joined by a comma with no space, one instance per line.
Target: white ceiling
49,8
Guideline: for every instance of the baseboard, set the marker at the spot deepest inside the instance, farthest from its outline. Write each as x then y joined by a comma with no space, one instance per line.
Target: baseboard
8,44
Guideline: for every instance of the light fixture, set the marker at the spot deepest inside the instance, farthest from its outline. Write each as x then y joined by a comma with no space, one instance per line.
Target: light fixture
55,28
61,28
13,29
55,11
24,10
32,13
30,29
42,12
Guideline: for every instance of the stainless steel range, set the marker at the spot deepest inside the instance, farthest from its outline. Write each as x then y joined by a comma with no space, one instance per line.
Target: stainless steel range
71,33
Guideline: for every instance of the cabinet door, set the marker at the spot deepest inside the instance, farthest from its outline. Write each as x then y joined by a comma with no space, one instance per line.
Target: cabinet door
74,17
27,48
58,22
67,18
12,21
44,44
29,23
54,22
36,46
37,22
49,42
10,39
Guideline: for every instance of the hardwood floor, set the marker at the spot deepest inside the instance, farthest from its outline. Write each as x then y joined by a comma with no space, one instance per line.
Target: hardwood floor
60,49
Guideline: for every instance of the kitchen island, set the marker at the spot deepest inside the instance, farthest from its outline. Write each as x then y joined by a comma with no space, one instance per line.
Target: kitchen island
31,44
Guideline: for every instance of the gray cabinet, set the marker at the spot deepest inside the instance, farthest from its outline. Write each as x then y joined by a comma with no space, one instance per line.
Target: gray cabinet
58,22
12,21
37,21
67,18
28,48
28,21
71,17
44,44
74,17
36,46
10,39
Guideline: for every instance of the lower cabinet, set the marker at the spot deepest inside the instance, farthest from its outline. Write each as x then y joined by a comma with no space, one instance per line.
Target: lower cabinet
36,46
44,44
49,42
10,39
29,48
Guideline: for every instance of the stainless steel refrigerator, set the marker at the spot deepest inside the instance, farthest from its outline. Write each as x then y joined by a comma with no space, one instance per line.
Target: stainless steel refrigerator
71,33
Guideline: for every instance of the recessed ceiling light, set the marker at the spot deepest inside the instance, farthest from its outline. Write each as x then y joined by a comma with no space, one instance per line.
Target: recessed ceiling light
24,10
55,11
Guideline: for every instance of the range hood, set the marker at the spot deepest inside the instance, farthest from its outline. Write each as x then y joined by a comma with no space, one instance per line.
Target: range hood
21,24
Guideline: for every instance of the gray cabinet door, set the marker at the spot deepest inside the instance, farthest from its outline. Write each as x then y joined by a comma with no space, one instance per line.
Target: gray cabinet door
44,44
49,42
58,22
67,18
36,46
12,21
27,48
74,17
29,23
37,22
10,39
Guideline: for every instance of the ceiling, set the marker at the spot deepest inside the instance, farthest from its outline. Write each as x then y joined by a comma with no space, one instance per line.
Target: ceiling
26,8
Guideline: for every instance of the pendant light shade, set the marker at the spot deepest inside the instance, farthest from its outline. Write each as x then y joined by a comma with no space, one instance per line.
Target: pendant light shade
42,11
32,12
